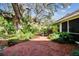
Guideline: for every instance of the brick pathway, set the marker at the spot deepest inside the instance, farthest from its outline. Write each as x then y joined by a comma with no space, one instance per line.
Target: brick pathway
40,38
40,46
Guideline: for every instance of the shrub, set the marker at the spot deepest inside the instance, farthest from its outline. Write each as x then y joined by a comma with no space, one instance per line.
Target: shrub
66,38
8,31
75,53
21,36
2,31
28,35
62,37
54,27
53,36
10,28
12,42
44,31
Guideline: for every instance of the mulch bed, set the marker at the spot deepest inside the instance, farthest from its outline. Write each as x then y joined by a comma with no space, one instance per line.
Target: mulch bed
3,42
39,48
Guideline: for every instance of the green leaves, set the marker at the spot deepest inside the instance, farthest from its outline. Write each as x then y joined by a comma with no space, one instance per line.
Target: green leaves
75,53
54,36
62,37
10,28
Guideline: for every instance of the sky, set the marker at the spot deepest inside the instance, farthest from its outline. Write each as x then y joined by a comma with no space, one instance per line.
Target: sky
60,13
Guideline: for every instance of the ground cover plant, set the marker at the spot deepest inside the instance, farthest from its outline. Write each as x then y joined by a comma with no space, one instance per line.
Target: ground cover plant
62,37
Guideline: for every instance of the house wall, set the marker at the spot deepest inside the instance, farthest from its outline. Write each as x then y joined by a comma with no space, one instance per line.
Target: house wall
67,21
70,26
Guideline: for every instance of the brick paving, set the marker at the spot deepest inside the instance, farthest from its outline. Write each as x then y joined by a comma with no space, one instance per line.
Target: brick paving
39,46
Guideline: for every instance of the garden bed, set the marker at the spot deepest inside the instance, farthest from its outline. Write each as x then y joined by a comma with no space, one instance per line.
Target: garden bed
3,42
8,42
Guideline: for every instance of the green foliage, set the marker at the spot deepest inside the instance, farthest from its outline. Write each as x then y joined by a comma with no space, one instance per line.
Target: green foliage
75,53
10,28
2,31
27,35
6,27
54,36
8,31
29,28
2,27
21,36
54,27
62,37
12,42
44,31
66,38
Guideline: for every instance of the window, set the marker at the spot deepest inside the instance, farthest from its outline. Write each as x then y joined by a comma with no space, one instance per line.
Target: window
74,25
64,27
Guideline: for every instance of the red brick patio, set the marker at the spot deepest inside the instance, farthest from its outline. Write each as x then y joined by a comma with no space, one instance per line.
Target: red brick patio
39,47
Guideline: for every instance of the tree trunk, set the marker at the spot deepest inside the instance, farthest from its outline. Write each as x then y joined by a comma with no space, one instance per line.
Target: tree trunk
17,15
